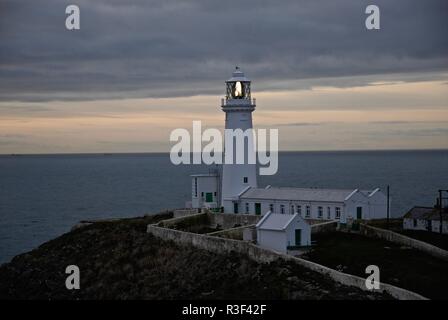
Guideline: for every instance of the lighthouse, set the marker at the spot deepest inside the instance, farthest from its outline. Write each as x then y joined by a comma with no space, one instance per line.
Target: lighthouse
237,176
235,190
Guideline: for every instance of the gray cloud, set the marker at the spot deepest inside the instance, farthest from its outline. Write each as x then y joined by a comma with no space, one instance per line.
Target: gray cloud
393,122
300,124
159,48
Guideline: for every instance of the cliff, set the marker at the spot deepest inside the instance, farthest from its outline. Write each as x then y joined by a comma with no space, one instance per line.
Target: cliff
119,260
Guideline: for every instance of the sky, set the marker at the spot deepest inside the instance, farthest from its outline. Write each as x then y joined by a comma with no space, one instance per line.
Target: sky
138,69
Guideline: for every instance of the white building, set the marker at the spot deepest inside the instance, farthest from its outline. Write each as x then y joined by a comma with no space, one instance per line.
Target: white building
205,190
235,189
425,219
283,232
316,204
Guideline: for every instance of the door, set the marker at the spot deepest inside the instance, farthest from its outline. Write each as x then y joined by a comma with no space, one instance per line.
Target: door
209,197
359,213
298,237
258,209
235,208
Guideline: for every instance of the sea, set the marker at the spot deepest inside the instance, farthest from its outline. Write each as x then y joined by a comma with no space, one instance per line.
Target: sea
43,196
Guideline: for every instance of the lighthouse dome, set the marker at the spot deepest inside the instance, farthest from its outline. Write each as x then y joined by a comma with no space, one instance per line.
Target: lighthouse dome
238,75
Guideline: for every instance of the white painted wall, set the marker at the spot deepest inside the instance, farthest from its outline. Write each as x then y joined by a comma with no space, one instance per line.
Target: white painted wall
279,240
205,184
238,116
373,207
422,225
314,206
436,226
301,224
408,224
271,239
378,205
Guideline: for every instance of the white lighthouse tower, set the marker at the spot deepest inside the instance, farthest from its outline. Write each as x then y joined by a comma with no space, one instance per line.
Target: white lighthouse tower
237,177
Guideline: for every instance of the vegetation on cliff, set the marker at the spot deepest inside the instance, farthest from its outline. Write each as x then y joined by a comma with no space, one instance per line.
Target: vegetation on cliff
119,260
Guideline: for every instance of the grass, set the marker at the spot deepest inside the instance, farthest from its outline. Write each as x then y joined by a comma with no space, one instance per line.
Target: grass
403,267
119,260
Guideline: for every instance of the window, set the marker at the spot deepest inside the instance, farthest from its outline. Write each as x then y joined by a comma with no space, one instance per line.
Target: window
215,193
320,212
292,209
415,223
328,213
338,213
245,179
235,207
247,207
282,208
202,194
299,210
195,187
271,207
308,212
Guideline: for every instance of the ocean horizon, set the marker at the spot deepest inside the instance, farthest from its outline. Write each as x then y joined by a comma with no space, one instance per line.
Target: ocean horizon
43,195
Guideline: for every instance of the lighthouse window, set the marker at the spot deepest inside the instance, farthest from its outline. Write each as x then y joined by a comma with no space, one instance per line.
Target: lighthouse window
238,93
245,179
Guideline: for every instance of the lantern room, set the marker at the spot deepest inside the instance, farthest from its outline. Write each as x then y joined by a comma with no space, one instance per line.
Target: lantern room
238,87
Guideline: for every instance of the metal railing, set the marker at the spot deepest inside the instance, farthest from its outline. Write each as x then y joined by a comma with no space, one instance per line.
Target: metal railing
252,101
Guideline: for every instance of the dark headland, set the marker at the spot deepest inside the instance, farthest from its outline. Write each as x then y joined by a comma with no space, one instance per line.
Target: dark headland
119,260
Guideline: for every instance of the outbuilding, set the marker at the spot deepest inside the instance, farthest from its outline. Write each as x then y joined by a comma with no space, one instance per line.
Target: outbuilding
425,219
283,232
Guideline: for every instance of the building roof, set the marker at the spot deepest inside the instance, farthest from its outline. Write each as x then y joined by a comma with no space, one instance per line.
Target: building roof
300,194
275,221
425,213
204,175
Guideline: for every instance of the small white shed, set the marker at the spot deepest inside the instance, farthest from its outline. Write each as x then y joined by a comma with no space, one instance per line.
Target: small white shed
283,232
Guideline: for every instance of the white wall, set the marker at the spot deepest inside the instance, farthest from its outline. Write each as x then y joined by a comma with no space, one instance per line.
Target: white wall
279,240
291,232
270,239
374,207
233,174
436,226
408,224
265,207
205,184
378,206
